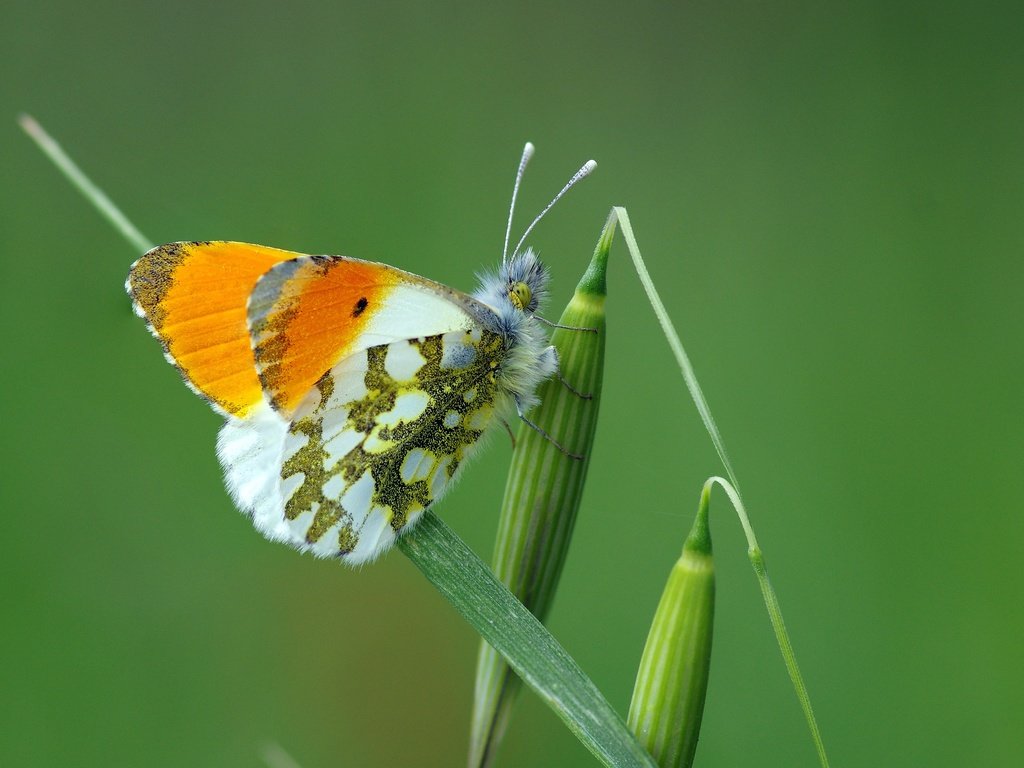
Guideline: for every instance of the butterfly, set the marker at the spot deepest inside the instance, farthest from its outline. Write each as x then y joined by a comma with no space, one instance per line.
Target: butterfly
353,392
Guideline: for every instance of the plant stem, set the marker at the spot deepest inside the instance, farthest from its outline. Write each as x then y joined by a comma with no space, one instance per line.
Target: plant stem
732,489
92,193
542,663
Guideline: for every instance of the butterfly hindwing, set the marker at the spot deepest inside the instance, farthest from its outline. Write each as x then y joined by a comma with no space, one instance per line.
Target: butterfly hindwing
379,438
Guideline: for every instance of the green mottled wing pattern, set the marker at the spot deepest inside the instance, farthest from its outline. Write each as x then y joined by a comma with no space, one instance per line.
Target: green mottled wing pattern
382,436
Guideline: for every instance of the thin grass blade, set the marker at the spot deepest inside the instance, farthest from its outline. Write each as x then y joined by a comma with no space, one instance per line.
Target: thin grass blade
471,587
732,489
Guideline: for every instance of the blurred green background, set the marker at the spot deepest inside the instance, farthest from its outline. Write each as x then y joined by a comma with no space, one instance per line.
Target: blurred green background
830,198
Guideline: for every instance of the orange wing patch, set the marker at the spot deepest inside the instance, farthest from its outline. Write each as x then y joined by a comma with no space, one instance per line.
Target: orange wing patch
194,296
306,314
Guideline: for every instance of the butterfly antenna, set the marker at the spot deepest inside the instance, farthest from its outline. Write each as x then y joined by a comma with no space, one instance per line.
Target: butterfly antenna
527,154
582,173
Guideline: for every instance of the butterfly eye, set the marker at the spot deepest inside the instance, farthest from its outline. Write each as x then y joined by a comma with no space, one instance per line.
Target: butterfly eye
520,295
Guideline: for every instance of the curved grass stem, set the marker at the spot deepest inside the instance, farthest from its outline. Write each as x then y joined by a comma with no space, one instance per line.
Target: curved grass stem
731,486
771,602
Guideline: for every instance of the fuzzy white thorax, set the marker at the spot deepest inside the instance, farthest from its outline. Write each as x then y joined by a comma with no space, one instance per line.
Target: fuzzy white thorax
530,358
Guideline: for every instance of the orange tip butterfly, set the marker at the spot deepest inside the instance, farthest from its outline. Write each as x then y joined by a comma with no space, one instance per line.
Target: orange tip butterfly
353,392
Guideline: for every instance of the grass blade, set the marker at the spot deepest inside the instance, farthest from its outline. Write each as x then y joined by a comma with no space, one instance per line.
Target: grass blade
472,588
77,177
732,489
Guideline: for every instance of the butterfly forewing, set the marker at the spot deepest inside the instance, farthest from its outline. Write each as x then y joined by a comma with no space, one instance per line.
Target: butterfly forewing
193,295
308,313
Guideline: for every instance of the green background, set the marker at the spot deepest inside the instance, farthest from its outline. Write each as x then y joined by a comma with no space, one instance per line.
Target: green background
830,199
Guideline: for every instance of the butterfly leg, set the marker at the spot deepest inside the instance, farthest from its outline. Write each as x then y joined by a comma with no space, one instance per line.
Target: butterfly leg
550,324
566,384
511,435
540,431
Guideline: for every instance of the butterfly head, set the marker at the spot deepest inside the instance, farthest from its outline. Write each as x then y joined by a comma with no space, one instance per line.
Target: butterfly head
518,288
524,278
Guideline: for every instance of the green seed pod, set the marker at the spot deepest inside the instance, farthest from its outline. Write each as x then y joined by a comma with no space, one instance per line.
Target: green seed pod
671,684
543,491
